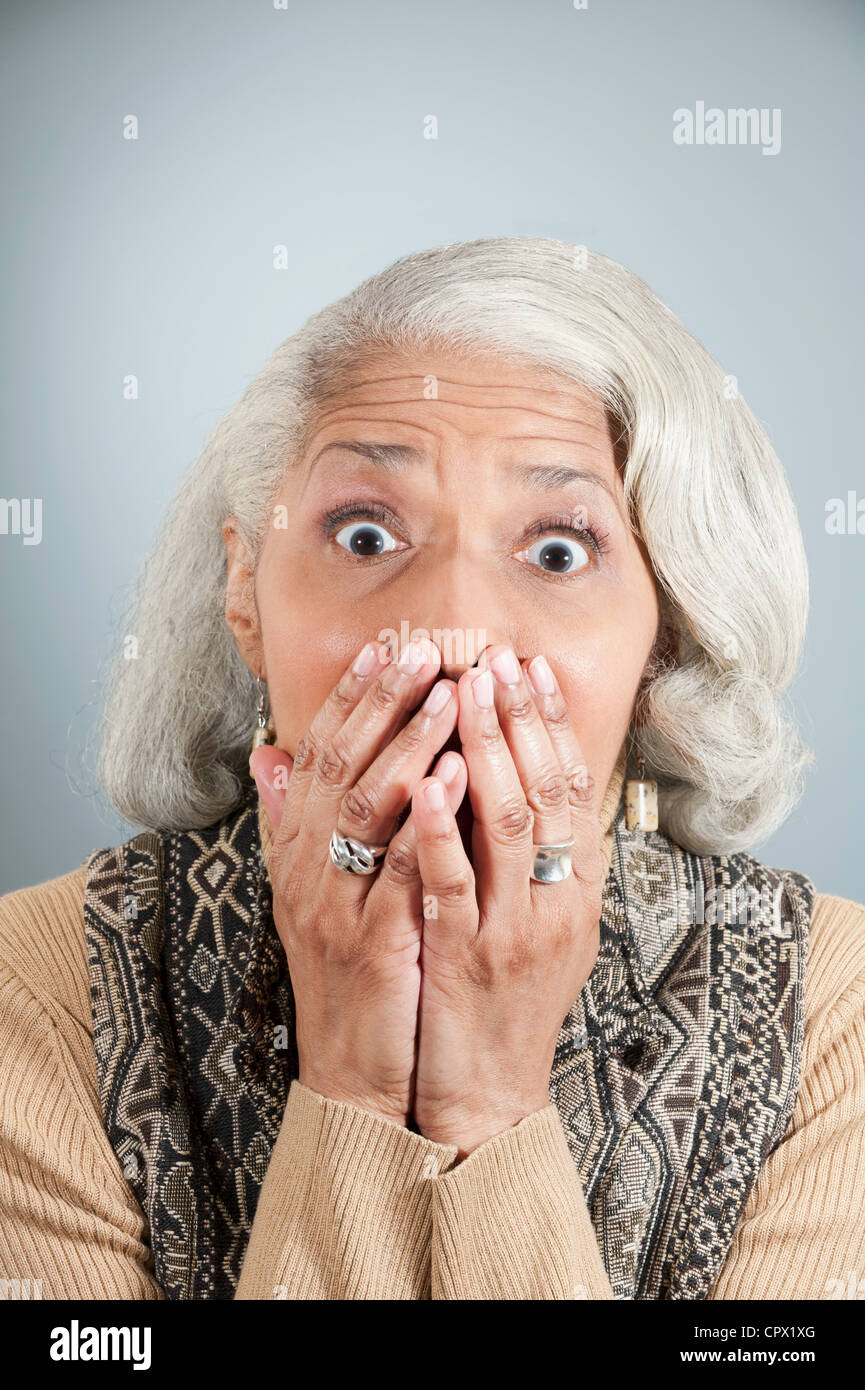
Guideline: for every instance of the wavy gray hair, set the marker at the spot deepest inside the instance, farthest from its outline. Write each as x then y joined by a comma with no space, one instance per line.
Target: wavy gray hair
703,488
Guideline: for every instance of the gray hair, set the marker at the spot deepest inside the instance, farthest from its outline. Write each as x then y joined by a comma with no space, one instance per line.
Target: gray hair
703,489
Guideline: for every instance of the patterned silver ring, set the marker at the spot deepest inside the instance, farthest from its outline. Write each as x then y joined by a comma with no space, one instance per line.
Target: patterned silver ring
552,862
354,857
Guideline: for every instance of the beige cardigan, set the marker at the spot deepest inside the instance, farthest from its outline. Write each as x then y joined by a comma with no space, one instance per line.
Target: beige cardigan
353,1207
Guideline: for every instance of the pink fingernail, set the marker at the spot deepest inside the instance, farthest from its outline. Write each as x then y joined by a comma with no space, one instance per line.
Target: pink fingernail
412,659
448,768
437,698
434,796
366,660
506,668
482,690
541,676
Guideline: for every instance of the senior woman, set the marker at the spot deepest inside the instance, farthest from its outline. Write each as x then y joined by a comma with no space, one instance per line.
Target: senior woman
463,984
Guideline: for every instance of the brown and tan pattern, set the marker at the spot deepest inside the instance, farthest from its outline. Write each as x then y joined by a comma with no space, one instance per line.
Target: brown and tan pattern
194,1038
677,1069
675,1074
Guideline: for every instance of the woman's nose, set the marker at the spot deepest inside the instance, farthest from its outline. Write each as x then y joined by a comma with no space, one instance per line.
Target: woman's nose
458,593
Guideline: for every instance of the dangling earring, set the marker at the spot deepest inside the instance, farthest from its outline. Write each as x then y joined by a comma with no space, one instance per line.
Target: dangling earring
264,730
641,800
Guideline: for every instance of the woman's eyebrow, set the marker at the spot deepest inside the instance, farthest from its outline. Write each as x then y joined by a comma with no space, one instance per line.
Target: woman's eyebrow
546,477
394,458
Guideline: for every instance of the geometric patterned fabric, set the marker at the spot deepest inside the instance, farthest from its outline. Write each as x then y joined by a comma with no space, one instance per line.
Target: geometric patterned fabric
675,1074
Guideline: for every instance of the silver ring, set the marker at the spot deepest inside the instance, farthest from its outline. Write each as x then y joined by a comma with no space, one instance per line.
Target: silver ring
353,857
552,862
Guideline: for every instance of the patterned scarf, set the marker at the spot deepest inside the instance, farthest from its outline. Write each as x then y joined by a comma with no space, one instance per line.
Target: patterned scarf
675,1074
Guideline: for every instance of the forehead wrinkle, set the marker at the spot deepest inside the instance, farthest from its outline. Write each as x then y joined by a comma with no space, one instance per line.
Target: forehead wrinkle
592,434
506,407
395,457
538,477
342,400
413,377
411,454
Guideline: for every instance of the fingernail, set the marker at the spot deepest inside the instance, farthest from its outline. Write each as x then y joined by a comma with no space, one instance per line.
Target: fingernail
434,796
412,659
506,667
366,660
437,698
448,768
541,676
482,690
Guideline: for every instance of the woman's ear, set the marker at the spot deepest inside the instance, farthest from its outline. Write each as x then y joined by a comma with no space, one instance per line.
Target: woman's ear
241,612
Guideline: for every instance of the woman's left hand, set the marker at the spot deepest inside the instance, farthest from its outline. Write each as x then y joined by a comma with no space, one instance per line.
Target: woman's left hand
503,957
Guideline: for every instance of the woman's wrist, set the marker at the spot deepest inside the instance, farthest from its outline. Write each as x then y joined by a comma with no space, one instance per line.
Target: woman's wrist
469,1131
383,1108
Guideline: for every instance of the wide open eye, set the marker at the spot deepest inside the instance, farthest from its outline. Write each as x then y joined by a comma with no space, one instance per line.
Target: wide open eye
557,554
366,539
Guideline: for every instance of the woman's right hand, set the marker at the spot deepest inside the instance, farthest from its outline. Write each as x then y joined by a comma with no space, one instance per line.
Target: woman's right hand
353,941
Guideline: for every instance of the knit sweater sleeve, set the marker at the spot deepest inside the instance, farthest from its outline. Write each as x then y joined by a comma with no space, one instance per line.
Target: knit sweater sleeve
511,1220
344,1211
345,1208
70,1226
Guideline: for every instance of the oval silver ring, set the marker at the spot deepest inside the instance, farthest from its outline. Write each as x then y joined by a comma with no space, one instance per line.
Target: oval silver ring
552,863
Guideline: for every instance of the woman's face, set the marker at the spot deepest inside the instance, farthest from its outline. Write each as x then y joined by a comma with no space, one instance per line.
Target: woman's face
495,516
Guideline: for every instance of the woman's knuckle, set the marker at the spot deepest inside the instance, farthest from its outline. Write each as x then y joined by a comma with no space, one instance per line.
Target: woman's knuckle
359,805
400,863
306,754
341,702
581,787
522,711
456,889
557,716
513,821
381,698
551,792
443,837
332,765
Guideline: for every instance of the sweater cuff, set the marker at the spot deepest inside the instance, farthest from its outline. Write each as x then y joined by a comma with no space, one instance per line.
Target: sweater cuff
345,1207
511,1221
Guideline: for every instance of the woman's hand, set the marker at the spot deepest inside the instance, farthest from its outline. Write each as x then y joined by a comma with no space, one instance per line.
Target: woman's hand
504,957
353,941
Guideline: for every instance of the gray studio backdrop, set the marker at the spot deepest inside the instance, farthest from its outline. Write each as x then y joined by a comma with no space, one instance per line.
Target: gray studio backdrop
303,125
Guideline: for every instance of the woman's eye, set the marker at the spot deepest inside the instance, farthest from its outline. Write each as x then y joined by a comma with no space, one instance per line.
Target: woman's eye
366,539
557,555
